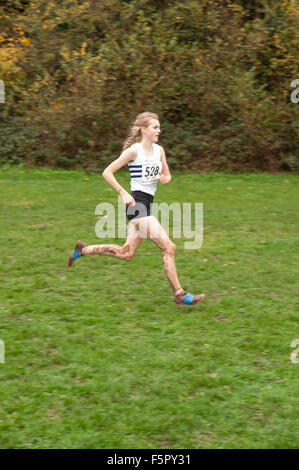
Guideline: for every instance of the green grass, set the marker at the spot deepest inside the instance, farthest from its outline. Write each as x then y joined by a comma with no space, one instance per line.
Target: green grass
99,356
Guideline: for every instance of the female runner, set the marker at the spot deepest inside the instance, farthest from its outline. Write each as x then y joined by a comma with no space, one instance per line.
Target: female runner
147,164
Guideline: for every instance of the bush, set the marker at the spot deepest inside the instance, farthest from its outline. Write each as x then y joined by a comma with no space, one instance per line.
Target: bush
217,73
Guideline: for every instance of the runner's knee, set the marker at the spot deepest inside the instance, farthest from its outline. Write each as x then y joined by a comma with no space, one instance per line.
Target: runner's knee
170,248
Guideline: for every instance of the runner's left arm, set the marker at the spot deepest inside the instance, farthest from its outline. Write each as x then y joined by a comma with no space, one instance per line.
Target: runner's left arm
165,176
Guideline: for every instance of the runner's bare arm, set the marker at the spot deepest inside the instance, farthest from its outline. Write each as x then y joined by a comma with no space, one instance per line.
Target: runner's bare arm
126,156
165,176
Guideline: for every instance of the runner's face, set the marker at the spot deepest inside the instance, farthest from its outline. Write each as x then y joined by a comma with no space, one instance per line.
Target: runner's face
152,131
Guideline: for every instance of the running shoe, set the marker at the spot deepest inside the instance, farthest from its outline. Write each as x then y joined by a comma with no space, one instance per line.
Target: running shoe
77,252
184,298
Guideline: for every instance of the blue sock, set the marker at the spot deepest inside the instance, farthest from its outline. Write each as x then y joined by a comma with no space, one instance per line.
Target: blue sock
76,255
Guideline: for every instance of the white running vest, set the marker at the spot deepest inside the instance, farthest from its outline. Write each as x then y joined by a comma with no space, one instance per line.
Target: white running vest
145,169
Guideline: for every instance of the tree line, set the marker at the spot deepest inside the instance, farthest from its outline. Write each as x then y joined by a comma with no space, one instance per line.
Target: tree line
218,73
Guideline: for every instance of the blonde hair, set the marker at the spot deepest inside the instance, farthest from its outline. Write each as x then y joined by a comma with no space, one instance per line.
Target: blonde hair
142,120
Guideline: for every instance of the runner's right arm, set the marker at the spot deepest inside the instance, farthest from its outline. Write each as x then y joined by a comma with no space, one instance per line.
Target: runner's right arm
126,156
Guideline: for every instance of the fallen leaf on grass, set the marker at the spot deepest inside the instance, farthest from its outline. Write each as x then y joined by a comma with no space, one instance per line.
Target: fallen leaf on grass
52,413
221,318
164,444
228,387
258,415
191,397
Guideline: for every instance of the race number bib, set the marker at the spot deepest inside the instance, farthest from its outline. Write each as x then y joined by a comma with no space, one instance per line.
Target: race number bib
150,171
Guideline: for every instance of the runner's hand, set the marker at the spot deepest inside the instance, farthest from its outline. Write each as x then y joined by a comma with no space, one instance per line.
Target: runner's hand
163,178
128,200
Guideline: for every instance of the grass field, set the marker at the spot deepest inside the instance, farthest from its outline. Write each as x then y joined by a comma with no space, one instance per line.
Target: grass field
99,356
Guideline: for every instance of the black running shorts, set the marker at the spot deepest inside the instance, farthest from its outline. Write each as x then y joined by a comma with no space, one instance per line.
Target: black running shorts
143,206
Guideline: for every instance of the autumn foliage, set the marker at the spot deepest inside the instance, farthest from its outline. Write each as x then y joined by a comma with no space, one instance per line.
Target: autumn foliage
218,73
